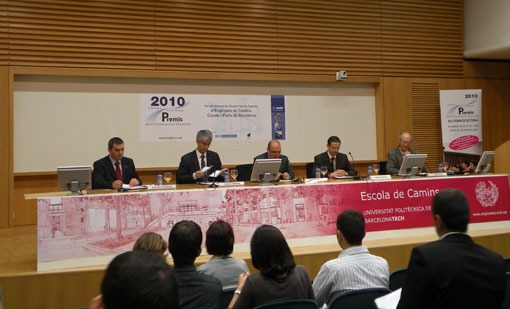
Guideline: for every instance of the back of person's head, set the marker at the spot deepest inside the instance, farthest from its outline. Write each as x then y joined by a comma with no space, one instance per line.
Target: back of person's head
453,208
184,242
138,279
270,252
333,139
352,225
219,239
151,242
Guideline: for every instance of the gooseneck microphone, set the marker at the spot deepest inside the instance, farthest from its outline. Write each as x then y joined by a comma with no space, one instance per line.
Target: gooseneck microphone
357,177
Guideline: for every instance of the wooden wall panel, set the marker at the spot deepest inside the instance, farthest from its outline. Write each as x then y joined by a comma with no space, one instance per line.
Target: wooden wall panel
427,122
323,37
4,41
398,115
499,110
219,36
5,146
422,38
86,34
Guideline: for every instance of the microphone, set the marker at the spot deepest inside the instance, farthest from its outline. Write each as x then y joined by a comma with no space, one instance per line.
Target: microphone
213,184
357,177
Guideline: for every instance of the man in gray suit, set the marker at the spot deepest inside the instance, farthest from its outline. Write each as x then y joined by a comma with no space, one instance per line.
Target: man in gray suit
274,150
396,156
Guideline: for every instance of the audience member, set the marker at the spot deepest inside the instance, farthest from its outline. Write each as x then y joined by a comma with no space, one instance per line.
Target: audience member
274,150
114,170
196,290
454,271
464,166
355,268
137,279
338,164
151,242
219,241
472,166
279,277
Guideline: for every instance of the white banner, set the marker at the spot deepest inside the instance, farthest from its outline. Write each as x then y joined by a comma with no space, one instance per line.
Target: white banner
165,117
461,121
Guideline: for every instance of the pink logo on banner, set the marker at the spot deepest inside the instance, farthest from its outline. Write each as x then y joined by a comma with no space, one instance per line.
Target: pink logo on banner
487,195
464,142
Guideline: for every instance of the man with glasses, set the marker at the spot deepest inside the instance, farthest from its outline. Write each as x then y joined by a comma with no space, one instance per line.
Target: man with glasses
190,168
338,164
396,156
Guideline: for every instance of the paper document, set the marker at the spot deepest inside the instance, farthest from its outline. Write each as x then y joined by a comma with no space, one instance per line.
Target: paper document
128,187
162,187
315,180
388,301
215,174
205,168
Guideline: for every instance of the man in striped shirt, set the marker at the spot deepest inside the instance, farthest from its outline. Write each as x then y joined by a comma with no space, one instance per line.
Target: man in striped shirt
355,268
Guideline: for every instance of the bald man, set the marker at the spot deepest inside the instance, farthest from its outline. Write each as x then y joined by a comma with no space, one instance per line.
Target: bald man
396,156
274,150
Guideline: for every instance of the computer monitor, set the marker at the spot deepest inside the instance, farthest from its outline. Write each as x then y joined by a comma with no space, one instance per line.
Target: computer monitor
484,164
74,178
412,164
265,170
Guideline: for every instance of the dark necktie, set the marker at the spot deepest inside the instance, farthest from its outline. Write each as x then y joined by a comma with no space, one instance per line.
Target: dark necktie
117,171
202,161
333,163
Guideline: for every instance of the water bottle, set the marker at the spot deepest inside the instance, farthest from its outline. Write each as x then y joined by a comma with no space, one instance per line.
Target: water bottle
159,181
227,179
317,172
440,167
369,171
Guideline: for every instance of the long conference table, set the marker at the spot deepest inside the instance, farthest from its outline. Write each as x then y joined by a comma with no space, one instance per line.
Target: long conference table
79,230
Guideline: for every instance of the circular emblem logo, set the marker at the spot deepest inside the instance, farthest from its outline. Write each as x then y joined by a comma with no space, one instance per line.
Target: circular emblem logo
487,195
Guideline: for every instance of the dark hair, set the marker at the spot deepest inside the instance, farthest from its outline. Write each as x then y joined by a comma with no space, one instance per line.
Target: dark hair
270,252
333,139
352,225
219,238
184,242
114,141
139,279
453,208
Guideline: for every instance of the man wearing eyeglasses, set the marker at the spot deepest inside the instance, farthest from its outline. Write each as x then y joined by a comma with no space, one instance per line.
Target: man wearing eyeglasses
396,156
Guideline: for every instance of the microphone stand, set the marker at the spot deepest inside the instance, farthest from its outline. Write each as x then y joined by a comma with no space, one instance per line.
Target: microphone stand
358,177
213,184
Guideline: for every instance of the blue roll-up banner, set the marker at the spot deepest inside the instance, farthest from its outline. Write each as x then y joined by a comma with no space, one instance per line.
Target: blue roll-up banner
278,117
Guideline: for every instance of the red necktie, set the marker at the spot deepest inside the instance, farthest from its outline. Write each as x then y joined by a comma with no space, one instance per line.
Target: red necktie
117,171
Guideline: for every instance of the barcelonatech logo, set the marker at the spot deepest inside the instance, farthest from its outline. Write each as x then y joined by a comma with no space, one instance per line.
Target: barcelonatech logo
487,195
462,109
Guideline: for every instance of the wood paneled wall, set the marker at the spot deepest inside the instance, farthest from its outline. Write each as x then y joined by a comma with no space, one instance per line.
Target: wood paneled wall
317,37
5,131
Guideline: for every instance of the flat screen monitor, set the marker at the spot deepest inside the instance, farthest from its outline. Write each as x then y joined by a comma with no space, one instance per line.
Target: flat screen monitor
484,164
74,178
412,164
265,170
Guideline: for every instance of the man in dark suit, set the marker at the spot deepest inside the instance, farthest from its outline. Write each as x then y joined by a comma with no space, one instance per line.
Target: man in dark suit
396,156
274,150
454,271
337,162
190,168
196,290
114,170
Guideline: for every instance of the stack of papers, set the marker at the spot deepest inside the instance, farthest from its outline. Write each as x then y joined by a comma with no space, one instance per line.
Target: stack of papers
388,301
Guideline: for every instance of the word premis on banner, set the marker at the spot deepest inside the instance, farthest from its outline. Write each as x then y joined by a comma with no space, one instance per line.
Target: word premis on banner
177,117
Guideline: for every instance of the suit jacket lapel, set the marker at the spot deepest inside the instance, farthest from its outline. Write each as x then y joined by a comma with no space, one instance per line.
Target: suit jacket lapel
109,167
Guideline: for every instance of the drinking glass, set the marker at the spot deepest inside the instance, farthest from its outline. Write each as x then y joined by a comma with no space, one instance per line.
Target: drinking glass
445,167
324,170
375,168
167,176
234,173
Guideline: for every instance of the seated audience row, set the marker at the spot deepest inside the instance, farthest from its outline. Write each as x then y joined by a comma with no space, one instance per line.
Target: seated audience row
452,272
